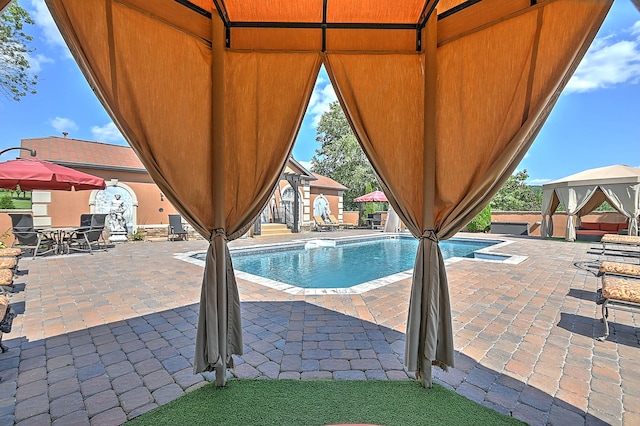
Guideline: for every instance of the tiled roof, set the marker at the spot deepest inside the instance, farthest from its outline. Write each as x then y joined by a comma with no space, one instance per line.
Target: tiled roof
104,155
325,182
76,151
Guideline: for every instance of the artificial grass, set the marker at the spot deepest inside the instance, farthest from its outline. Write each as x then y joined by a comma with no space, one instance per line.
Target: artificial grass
321,402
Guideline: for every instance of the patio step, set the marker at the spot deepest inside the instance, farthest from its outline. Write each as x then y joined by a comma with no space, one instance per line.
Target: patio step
271,229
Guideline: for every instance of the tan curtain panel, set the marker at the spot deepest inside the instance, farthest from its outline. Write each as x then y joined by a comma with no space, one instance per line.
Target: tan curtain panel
445,128
3,4
214,134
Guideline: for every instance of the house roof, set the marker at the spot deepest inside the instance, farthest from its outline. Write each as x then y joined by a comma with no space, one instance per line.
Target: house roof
81,153
294,167
326,182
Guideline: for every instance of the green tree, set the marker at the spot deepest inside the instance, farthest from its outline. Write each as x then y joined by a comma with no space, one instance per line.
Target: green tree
340,156
482,222
516,195
16,80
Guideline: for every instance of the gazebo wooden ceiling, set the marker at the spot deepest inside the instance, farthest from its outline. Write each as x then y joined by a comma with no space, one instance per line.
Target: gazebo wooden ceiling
445,98
327,25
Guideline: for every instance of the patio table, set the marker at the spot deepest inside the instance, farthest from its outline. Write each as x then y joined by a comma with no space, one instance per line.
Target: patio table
60,237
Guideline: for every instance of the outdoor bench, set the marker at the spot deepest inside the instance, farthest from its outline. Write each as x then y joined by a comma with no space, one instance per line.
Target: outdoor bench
513,228
620,289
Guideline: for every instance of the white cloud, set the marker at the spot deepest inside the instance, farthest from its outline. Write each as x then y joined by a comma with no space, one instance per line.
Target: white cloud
44,21
35,62
609,62
63,124
323,95
305,164
538,181
107,133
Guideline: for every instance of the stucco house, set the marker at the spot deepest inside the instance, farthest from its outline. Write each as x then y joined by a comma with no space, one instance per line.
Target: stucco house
147,208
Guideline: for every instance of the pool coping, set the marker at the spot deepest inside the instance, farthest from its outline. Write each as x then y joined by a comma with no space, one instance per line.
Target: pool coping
489,254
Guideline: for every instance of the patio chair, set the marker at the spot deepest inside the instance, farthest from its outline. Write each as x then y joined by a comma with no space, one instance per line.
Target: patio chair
375,220
85,220
176,228
85,237
27,237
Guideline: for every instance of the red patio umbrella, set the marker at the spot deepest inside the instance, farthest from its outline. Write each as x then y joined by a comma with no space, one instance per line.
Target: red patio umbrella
375,196
32,173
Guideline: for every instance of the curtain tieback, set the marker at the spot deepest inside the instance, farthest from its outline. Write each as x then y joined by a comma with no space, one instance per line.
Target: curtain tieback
431,235
218,232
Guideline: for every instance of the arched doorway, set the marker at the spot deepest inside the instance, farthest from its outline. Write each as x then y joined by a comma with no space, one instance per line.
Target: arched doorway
100,202
321,206
288,200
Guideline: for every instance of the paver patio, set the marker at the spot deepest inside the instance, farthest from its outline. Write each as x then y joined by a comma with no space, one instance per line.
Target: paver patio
106,337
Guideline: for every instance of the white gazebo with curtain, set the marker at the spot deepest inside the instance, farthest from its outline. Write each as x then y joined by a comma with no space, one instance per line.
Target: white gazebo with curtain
583,192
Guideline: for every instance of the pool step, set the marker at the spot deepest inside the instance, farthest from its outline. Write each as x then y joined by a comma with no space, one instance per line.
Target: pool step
273,229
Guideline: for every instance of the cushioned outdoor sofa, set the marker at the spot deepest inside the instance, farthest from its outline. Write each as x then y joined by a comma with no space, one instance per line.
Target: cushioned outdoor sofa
593,231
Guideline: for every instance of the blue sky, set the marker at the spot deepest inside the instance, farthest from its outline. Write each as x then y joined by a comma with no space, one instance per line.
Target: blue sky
595,123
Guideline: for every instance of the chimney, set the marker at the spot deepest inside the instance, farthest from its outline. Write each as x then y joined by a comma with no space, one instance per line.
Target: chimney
65,134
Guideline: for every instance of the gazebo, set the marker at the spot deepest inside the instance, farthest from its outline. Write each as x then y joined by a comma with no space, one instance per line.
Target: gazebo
583,192
444,96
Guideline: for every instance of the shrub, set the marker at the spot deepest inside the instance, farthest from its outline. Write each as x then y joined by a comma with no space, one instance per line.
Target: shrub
6,202
137,236
482,222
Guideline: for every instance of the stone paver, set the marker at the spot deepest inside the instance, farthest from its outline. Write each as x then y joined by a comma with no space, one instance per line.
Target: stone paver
106,337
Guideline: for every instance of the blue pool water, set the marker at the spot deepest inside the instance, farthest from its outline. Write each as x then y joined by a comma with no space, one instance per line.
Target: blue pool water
344,265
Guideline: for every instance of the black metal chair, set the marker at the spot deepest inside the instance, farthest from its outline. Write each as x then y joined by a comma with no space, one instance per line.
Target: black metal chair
375,220
27,237
176,228
83,238
85,220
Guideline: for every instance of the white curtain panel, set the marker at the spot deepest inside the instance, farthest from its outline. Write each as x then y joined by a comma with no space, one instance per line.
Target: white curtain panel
625,199
546,226
573,199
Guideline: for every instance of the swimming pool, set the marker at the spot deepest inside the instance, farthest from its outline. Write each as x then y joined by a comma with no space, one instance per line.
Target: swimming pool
341,264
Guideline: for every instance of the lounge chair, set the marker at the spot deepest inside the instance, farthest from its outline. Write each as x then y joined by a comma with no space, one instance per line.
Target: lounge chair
620,289
6,280
176,228
619,240
321,225
88,238
4,309
27,237
343,224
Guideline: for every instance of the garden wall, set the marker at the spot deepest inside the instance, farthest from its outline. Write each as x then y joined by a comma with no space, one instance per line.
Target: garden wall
559,220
